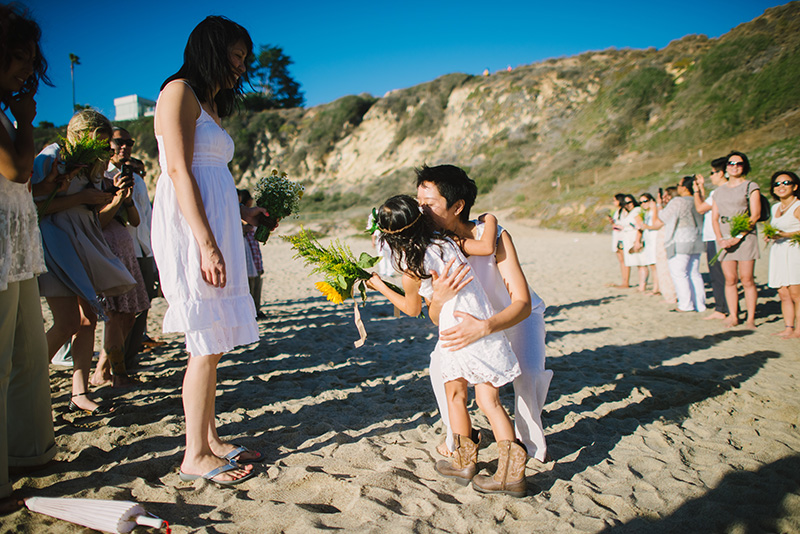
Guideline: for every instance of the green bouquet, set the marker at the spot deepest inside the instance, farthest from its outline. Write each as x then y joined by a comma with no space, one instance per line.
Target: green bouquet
280,197
740,226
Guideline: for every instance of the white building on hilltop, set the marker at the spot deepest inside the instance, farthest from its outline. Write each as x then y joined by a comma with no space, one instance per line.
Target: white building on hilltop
133,107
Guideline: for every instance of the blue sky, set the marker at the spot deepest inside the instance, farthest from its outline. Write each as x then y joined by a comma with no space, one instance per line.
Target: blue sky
342,48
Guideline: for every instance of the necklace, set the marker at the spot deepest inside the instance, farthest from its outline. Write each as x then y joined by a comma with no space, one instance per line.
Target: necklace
782,208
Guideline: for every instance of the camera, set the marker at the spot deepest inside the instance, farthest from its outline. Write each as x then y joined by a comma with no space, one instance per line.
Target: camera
127,170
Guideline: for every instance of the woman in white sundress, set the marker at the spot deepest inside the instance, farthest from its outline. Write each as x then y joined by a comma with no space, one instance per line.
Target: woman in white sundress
197,236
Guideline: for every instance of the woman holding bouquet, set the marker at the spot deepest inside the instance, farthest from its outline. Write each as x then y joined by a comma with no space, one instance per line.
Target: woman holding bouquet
197,235
737,195
80,263
784,255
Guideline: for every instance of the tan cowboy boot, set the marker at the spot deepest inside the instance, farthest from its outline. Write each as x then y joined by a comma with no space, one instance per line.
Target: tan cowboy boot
510,475
463,465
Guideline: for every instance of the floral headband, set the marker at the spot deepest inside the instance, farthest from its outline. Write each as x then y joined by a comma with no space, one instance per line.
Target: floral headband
375,226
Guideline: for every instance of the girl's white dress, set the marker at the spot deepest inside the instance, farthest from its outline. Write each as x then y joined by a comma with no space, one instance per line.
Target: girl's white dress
214,320
490,359
784,257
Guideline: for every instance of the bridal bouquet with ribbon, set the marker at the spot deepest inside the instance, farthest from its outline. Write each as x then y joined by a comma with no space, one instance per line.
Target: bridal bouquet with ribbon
342,272
280,197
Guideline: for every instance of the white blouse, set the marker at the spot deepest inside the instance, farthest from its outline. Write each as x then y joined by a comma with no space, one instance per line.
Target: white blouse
21,255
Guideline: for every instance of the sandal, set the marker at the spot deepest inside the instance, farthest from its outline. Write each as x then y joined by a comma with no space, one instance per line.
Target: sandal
218,471
231,456
100,410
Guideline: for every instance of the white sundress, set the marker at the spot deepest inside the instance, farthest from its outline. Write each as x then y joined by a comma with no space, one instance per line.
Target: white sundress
490,359
214,320
784,257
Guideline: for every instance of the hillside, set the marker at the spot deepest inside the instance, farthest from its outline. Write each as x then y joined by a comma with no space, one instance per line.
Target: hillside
552,140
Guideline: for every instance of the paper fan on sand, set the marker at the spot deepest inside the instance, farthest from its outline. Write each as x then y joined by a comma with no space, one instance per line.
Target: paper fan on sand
107,516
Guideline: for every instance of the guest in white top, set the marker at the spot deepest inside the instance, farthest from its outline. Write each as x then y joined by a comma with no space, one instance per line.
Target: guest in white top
26,418
784,255
703,203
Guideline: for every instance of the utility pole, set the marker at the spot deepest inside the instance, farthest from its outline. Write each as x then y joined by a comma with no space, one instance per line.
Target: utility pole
73,60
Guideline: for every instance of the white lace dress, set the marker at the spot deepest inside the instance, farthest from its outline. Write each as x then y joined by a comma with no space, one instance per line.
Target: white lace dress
490,359
21,255
214,320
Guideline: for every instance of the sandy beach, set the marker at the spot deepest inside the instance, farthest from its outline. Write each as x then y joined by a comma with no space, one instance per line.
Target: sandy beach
656,421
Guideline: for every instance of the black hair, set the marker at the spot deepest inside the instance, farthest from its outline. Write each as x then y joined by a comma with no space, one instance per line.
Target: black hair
648,196
206,62
245,195
453,184
719,164
408,232
746,166
688,183
791,175
631,198
18,30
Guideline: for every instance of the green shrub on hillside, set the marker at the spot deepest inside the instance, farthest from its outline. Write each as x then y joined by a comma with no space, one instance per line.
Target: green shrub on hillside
323,130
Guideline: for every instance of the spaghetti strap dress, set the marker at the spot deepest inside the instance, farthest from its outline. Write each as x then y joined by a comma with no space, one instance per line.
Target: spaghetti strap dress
214,320
784,256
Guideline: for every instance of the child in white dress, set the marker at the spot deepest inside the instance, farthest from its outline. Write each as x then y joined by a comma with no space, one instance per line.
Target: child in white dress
486,364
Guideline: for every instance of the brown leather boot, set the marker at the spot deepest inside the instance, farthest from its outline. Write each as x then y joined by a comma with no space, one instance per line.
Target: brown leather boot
463,465
510,475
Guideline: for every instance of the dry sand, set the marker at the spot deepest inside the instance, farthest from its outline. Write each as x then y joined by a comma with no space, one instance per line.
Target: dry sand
657,421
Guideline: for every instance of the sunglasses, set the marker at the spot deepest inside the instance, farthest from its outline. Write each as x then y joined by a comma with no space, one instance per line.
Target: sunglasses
736,164
123,142
785,182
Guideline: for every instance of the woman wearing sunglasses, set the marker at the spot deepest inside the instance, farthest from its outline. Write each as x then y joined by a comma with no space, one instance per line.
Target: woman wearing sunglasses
737,195
784,256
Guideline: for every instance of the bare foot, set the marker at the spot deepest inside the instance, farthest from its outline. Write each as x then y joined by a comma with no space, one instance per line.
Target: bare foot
443,450
10,504
640,289
205,464
786,332
730,322
715,315
618,286
100,378
750,325
654,292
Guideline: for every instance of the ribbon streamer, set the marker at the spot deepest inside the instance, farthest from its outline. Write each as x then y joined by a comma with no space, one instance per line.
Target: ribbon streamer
359,325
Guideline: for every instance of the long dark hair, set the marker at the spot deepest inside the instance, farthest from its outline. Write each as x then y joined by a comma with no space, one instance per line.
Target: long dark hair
408,232
18,30
206,62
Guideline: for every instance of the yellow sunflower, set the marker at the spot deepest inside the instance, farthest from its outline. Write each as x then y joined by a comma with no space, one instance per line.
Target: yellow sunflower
330,292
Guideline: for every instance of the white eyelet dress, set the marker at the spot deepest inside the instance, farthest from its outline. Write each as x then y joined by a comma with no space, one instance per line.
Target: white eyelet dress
214,320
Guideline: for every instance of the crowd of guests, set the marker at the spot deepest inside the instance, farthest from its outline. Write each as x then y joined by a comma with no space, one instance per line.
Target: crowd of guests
89,240
669,232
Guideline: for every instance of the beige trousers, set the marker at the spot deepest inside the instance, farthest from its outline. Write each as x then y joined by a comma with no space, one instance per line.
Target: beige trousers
26,415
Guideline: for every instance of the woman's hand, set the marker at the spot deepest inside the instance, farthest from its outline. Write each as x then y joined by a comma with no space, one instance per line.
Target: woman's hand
94,197
446,286
212,266
23,107
728,243
468,331
254,216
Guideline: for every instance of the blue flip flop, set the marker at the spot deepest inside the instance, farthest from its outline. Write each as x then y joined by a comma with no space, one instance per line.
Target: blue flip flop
218,471
231,456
